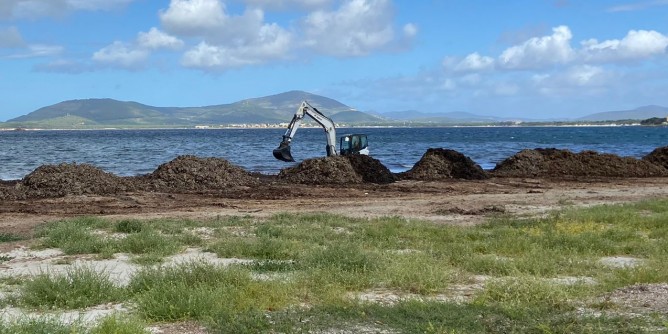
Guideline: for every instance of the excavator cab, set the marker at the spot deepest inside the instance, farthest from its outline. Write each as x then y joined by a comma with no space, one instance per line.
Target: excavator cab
354,144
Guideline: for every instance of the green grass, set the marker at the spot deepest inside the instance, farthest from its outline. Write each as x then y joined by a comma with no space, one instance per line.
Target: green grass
8,237
74,236
435,317
200,291
38,326
114,324
128,226
119,324
79,287
151,240
308,269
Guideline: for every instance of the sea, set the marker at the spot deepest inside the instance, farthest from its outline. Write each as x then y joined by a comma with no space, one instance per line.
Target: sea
136,152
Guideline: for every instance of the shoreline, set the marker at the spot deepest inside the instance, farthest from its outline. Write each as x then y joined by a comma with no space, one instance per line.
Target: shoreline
338,127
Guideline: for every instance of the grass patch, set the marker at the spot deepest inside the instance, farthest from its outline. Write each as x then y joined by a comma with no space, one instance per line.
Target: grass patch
90,236
128,226
79,287
263,248
148,242
119,324
433,317
39,326
8,237
74,236
114,324
529,293
418,273
200,291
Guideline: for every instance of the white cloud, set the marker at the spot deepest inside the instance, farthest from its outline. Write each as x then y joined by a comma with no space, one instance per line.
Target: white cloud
42,50
226,41
357,28
576,80
555,50
37,50
205,55
221,40
121,54
471,63
637,44
194,17
410,30
41,8
549,66
272,43
539,52
288,4
585,75
11,38
156,39
132,56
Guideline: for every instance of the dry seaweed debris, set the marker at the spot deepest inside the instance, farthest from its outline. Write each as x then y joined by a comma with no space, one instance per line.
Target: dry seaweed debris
188,173
440,164
552,162
70,179
370,169
350,169
317,171
658,157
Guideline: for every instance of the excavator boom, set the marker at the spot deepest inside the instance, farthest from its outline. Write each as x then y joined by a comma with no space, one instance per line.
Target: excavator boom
283,151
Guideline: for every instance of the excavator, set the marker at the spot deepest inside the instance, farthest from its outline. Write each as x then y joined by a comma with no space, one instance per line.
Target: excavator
350,144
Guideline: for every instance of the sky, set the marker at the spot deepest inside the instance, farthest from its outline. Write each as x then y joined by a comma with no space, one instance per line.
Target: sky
514,58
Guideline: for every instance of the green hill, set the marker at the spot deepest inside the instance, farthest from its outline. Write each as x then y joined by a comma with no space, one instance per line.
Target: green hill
637,114
108,112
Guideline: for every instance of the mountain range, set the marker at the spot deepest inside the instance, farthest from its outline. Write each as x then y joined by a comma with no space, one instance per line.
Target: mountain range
644,112
274,109
270,109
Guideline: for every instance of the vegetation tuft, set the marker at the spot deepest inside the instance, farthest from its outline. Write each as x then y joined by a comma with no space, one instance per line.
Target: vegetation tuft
8,237
79,287
114,324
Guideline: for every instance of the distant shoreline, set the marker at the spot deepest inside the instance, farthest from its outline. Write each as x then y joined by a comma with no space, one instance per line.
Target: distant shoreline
339,127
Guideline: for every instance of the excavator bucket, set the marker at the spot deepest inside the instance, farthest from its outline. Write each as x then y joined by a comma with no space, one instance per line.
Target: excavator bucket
283,152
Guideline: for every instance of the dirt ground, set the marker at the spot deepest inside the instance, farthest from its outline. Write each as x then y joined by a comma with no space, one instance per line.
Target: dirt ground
454,202
444,187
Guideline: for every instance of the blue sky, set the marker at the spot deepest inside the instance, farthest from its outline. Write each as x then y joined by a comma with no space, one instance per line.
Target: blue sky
528,58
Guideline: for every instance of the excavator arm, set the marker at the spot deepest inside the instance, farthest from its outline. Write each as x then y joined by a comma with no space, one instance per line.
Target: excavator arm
283,150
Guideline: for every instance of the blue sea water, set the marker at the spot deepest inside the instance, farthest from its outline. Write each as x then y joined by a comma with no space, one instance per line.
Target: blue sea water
135,152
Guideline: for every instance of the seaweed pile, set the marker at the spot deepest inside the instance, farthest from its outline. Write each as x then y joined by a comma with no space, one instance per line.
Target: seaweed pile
551,162
441,164
191,173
